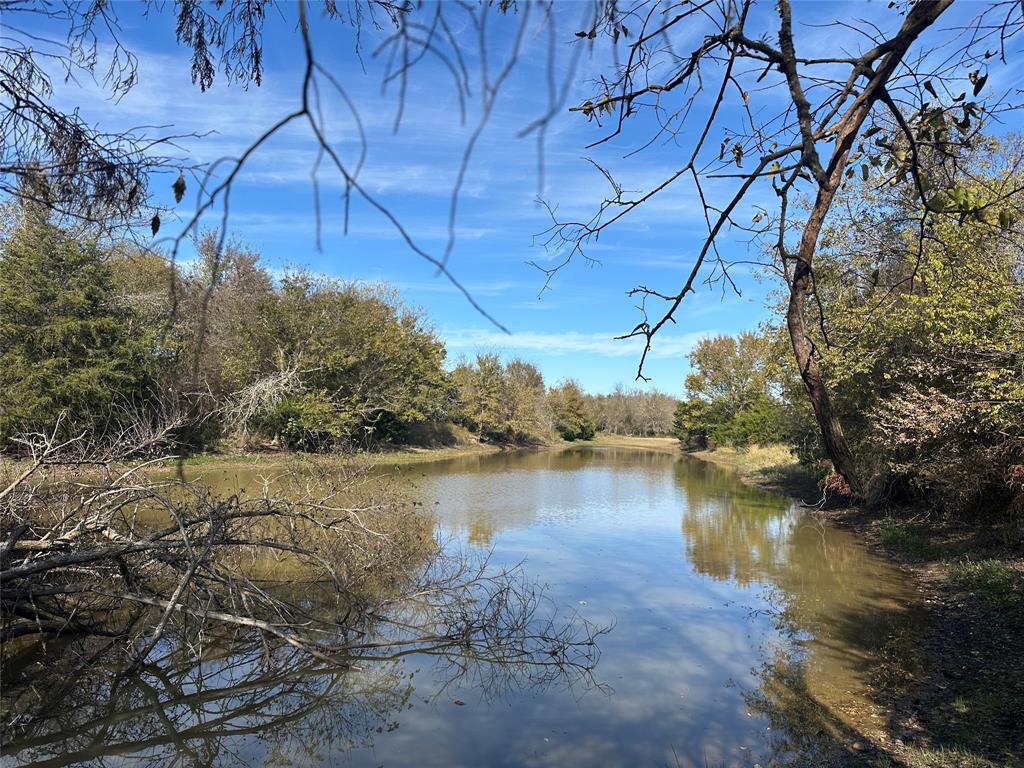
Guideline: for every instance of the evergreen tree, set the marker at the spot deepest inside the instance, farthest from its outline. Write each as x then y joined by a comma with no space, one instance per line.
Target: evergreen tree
65,343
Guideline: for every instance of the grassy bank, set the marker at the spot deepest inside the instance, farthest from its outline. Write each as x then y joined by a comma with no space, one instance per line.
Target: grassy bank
966,708
773,467
398,456
955,693
660,444
404,455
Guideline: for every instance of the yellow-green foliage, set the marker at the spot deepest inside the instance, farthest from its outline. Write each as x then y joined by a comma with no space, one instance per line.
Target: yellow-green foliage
923,341
731,398
501,402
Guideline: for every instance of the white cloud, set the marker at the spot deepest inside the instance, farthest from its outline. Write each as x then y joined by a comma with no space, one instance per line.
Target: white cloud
571,342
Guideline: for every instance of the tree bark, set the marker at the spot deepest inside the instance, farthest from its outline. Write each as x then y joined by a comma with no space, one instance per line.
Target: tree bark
921,17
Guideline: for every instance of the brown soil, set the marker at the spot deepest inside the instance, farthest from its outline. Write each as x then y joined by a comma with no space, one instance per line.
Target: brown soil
955,694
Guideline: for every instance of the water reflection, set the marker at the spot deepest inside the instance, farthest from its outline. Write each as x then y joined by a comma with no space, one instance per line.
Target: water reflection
246,705
744,632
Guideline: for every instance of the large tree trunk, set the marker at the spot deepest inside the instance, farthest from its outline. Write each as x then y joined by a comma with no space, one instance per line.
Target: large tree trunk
810,372
921,16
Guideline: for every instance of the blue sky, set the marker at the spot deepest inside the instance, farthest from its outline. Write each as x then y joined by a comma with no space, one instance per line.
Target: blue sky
570,329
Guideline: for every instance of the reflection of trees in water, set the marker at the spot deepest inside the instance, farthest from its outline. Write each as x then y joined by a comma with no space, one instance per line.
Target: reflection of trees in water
731,532
814,694
198,711
206,701
745,535
832,603
485,495
803,729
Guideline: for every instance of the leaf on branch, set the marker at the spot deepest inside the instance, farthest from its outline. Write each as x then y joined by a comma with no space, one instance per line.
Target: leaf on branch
155,224
988,215
179,187
979,81
941,201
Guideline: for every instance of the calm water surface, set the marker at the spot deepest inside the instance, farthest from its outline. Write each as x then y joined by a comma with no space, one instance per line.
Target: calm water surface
743,632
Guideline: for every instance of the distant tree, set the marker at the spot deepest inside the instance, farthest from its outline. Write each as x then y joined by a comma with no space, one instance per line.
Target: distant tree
637,412
481,393
570,413
502,402
527,414
655,413
732,394
692,425
730,369
614,411
70,351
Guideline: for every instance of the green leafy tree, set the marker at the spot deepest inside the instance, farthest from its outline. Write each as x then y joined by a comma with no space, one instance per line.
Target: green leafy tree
502,402
570,412
925,345
732,394
692,424
69,349
335,361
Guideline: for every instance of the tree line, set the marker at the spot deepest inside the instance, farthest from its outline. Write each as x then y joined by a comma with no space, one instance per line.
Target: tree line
923,340
99,336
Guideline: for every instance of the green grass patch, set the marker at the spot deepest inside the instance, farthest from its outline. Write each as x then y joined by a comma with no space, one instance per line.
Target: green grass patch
994,581
606,440
916,757
906,538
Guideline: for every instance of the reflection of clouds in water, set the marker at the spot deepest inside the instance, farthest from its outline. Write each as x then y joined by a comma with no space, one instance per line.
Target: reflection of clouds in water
704,578
611,540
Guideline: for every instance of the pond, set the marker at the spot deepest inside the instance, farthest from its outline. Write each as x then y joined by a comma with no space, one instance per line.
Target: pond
741,630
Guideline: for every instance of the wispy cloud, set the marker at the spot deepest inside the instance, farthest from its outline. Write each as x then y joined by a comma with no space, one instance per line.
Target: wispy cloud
570,343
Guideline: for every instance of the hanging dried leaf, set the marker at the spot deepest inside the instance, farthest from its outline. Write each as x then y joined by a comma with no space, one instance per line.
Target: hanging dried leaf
179,187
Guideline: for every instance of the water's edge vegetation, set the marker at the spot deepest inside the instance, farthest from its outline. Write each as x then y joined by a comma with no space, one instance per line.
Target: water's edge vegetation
955,691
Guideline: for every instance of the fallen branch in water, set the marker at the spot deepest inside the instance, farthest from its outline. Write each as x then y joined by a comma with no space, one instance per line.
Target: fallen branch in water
118,552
